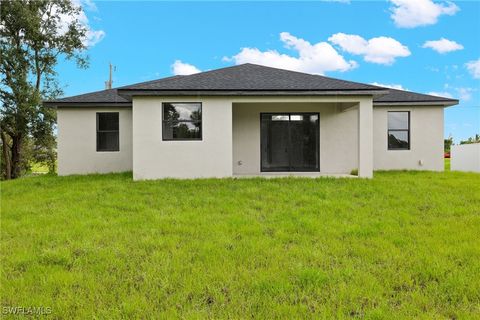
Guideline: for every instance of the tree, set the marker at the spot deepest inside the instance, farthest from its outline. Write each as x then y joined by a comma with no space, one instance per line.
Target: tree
447,143
33,35
475,139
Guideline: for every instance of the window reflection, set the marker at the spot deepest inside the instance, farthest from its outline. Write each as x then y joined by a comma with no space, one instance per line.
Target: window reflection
398,130
182,121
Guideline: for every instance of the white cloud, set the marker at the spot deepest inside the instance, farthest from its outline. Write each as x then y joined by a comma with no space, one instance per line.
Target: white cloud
441,94
443,45
181,68
86,4
92,36
474,68
465,94
462,93
392,86
315,58
381,50
414,13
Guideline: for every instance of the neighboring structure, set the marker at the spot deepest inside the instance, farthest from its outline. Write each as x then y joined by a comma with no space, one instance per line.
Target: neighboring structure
465,157
249,120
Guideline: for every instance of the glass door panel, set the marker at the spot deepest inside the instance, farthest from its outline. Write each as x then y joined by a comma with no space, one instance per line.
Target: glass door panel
275,142
290,142
304,137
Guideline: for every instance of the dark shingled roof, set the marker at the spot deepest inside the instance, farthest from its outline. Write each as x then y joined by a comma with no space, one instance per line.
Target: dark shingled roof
251,77
245,79
103,96
397,96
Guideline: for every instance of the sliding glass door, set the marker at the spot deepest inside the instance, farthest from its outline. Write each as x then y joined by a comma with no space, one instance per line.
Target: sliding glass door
289,142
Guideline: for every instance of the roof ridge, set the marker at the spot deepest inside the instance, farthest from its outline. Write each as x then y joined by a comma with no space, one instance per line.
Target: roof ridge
150,81
183,76
312,74
250,78
194,76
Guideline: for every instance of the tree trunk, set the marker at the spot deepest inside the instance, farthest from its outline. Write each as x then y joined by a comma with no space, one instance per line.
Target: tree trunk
6,156
16,156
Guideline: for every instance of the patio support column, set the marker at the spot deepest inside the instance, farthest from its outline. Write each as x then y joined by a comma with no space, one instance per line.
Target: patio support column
365,138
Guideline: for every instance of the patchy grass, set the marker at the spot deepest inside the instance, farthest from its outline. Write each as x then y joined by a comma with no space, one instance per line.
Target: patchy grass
403,245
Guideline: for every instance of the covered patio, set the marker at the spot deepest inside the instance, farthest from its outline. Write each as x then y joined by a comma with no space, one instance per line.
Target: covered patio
303,136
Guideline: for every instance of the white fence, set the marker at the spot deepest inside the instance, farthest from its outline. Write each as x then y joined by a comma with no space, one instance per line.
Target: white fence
465,157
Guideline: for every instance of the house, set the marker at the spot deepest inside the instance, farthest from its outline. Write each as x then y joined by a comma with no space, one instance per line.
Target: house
249,120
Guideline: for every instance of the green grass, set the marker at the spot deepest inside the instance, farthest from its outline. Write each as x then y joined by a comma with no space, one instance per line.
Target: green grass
401,246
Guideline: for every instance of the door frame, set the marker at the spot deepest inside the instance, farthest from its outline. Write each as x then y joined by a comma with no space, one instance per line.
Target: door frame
289,113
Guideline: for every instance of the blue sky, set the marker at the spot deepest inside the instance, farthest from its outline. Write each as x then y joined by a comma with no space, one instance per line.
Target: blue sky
419,45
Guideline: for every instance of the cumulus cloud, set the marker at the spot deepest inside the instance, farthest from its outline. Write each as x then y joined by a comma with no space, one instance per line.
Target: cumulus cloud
443,45
86,4
414,13
443,94
474,68
465,94
381,50
392,86
92,36
181,68
315,58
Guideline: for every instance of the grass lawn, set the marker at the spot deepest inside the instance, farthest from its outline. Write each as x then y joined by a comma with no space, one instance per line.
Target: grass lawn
403,245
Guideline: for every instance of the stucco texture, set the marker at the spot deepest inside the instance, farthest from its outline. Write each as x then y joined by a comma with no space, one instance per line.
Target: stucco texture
426,140
338,135
230,143
77,142
154,158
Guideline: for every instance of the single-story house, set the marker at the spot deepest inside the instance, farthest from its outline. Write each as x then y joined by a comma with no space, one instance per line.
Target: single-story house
249,120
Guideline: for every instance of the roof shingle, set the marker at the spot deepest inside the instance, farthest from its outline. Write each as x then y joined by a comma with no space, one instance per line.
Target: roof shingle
248,78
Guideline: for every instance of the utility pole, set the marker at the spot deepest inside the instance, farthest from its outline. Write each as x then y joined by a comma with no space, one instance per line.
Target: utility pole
108,84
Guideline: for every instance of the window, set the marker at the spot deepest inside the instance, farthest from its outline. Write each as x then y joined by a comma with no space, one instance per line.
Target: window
398,130
182,121
107,131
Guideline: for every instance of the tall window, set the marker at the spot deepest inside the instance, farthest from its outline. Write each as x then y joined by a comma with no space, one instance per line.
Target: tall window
182,121
399,130
107,131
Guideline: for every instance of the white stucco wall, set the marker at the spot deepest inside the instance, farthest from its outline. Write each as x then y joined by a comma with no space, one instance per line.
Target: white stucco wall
465,157
231,133
426,140
77,142
338,134
154,158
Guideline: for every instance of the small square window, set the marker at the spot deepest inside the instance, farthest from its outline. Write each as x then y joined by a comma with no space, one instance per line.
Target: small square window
182,121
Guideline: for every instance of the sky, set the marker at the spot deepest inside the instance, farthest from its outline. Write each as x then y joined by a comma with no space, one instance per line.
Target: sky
424,46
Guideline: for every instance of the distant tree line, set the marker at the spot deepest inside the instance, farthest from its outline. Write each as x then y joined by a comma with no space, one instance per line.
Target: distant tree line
449,142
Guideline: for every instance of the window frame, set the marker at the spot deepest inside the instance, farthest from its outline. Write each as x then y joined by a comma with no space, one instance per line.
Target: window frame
183,121
399,130
104,131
